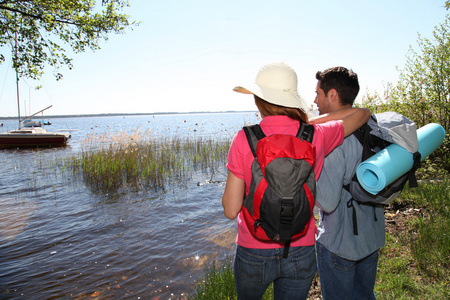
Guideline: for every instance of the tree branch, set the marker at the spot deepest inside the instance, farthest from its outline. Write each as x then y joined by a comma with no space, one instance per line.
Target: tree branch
36,16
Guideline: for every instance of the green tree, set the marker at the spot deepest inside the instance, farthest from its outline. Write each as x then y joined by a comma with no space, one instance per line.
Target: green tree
378,103
423,89
38,32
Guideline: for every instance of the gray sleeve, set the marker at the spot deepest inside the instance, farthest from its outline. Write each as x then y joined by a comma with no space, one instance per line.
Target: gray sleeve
338,170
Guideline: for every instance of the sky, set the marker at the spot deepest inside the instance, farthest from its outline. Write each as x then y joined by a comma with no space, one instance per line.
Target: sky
187,55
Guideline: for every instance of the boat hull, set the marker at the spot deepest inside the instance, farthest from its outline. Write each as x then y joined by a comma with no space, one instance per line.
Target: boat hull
33,139
31,123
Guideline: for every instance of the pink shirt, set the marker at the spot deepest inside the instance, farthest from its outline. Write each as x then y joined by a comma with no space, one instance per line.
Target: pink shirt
327,136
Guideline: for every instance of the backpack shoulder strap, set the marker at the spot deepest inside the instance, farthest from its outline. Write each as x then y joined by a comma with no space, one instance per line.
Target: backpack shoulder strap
253,133
369,141
363,136
361,132
305,132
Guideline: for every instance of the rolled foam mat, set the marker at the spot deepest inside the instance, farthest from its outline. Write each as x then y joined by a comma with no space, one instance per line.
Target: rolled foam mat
383,168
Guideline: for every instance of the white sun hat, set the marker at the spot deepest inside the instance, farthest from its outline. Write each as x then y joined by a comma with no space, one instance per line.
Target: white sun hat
275,83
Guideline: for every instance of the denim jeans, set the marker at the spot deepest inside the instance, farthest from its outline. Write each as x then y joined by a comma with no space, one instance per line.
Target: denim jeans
255,269
346,279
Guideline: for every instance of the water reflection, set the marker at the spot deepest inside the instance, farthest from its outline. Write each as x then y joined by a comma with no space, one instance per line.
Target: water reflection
14,217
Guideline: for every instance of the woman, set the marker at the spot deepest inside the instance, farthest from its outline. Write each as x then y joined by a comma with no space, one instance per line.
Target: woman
258,263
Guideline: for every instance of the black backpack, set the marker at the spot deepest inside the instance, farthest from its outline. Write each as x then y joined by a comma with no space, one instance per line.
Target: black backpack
379,132
283,187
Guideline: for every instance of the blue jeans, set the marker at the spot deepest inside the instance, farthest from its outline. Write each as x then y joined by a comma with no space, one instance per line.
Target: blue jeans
346,279
256,269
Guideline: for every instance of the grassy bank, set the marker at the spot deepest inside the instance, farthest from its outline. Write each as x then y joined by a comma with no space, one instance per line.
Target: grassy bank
414,263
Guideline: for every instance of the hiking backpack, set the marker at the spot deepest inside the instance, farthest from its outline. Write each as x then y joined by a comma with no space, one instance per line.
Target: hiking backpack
380,131
282,190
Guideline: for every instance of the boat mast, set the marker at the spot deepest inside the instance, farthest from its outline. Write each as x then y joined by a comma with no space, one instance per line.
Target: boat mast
17,76
18,101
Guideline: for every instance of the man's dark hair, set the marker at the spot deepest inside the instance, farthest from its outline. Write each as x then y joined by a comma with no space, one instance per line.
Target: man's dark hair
344,81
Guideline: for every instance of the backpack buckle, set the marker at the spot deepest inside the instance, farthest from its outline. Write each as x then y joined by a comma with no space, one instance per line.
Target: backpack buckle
287,211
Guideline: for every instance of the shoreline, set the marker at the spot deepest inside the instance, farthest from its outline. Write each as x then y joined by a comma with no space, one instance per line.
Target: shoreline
132,114
309,111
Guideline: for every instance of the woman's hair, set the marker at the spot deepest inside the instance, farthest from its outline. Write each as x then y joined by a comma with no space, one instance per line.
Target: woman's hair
269,109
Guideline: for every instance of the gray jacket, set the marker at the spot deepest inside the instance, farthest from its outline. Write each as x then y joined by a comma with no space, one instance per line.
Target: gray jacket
335,224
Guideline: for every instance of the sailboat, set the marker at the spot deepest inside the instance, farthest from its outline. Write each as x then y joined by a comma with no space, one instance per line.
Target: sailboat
31,137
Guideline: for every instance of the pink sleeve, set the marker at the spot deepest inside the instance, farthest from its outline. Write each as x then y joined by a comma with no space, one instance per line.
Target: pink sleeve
327,136
235,155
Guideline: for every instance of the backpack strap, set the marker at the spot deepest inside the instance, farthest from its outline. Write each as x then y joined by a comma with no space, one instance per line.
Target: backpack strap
286,218
412,173
305,132
253,133
287,245
362,134
368,141
351,204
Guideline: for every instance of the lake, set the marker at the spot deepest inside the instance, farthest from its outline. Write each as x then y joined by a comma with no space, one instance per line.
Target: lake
60,239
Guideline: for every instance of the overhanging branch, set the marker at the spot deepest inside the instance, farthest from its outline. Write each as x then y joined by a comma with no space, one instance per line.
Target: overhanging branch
36,16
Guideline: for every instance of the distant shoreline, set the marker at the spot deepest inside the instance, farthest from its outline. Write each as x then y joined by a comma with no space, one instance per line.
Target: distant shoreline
130,114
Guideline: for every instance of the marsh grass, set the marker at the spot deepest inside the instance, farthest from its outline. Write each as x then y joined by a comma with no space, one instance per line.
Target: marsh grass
110,162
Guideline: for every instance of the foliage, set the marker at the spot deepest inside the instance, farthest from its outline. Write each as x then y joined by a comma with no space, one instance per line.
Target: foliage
38,31
424,87
423,90
378,103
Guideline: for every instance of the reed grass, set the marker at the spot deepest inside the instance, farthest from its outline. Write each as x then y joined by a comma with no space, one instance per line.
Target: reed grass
109,162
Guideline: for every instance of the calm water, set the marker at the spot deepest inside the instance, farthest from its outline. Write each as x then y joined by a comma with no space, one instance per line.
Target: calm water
58,239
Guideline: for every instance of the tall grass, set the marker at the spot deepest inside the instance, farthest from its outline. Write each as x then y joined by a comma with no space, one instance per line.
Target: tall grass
109,162
219,284
415,262
430,246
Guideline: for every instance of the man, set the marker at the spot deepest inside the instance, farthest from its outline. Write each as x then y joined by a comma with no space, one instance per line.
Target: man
347,262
